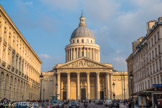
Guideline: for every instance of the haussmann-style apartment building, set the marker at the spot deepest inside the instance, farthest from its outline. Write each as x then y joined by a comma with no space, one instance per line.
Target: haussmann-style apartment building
19,64
145,63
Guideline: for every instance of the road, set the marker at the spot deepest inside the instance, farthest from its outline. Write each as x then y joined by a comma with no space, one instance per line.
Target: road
92,105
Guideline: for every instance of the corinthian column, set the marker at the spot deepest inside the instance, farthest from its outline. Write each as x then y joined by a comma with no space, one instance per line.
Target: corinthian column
110,84
107,86
68,86
88,86
58,87
78,86
98,85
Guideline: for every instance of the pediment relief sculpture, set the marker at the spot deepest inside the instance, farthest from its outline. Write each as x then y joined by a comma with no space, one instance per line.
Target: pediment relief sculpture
82,64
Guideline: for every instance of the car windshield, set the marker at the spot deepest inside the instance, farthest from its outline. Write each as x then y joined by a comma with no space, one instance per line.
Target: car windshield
55,102
59,102
109,100
73,103
115,101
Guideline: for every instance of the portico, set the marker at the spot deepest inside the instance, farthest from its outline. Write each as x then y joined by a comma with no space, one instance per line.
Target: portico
83,83
94,87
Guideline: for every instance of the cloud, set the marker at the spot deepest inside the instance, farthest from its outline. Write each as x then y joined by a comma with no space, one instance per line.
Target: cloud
28,3
120,60
101,10
44,56
62,4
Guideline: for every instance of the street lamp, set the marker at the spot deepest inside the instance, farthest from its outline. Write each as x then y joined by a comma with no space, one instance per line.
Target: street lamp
43,93
41,78
105,92
114,89
131,77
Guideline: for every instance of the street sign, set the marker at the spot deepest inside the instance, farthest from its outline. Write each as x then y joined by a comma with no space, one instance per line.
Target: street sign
157,85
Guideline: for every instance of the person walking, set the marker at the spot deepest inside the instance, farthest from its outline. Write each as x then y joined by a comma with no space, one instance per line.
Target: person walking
129,104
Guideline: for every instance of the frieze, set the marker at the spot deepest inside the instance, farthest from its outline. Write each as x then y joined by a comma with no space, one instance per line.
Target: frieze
82,64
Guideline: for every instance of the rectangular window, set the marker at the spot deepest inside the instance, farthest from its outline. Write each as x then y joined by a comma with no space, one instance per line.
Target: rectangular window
158,35
152,42
154,38
159,49
155,52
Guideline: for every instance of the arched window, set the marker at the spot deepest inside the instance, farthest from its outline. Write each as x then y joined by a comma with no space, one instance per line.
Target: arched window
82,40
78,41
73,41
91,41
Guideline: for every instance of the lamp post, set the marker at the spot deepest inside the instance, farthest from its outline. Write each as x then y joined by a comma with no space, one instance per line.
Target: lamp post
114,89
56,90
105,92
41,78
43,93
131,78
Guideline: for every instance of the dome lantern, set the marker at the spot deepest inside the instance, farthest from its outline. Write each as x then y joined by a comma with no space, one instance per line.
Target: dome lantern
82,30
82,20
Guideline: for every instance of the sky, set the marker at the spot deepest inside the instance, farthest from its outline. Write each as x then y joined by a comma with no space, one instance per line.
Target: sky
47,25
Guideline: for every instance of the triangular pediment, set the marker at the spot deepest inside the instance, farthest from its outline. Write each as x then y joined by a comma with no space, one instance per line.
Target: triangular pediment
83,63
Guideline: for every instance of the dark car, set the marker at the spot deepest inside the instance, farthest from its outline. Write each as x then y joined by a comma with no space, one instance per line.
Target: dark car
74,104
100,102
115,104
66,101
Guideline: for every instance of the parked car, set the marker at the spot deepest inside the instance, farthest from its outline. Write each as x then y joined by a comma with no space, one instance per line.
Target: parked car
35,105
21,104
74,104
60,104
54,104
100,102
48,105
107,102
114,103
66,101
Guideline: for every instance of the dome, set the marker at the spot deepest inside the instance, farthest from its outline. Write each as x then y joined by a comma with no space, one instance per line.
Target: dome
82,30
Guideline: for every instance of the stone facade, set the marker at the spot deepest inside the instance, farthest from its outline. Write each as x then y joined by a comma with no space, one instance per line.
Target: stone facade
147,58
82,76
19,64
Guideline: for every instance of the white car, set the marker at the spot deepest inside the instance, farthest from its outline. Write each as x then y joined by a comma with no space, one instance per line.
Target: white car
107,102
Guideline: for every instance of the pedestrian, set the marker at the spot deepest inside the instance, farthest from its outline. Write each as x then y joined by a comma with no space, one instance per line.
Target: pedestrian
129,104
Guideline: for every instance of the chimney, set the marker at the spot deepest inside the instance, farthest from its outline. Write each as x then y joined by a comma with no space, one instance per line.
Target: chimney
149,25
160,19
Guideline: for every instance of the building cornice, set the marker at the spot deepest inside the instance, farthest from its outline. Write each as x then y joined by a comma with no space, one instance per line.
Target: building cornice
18,31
